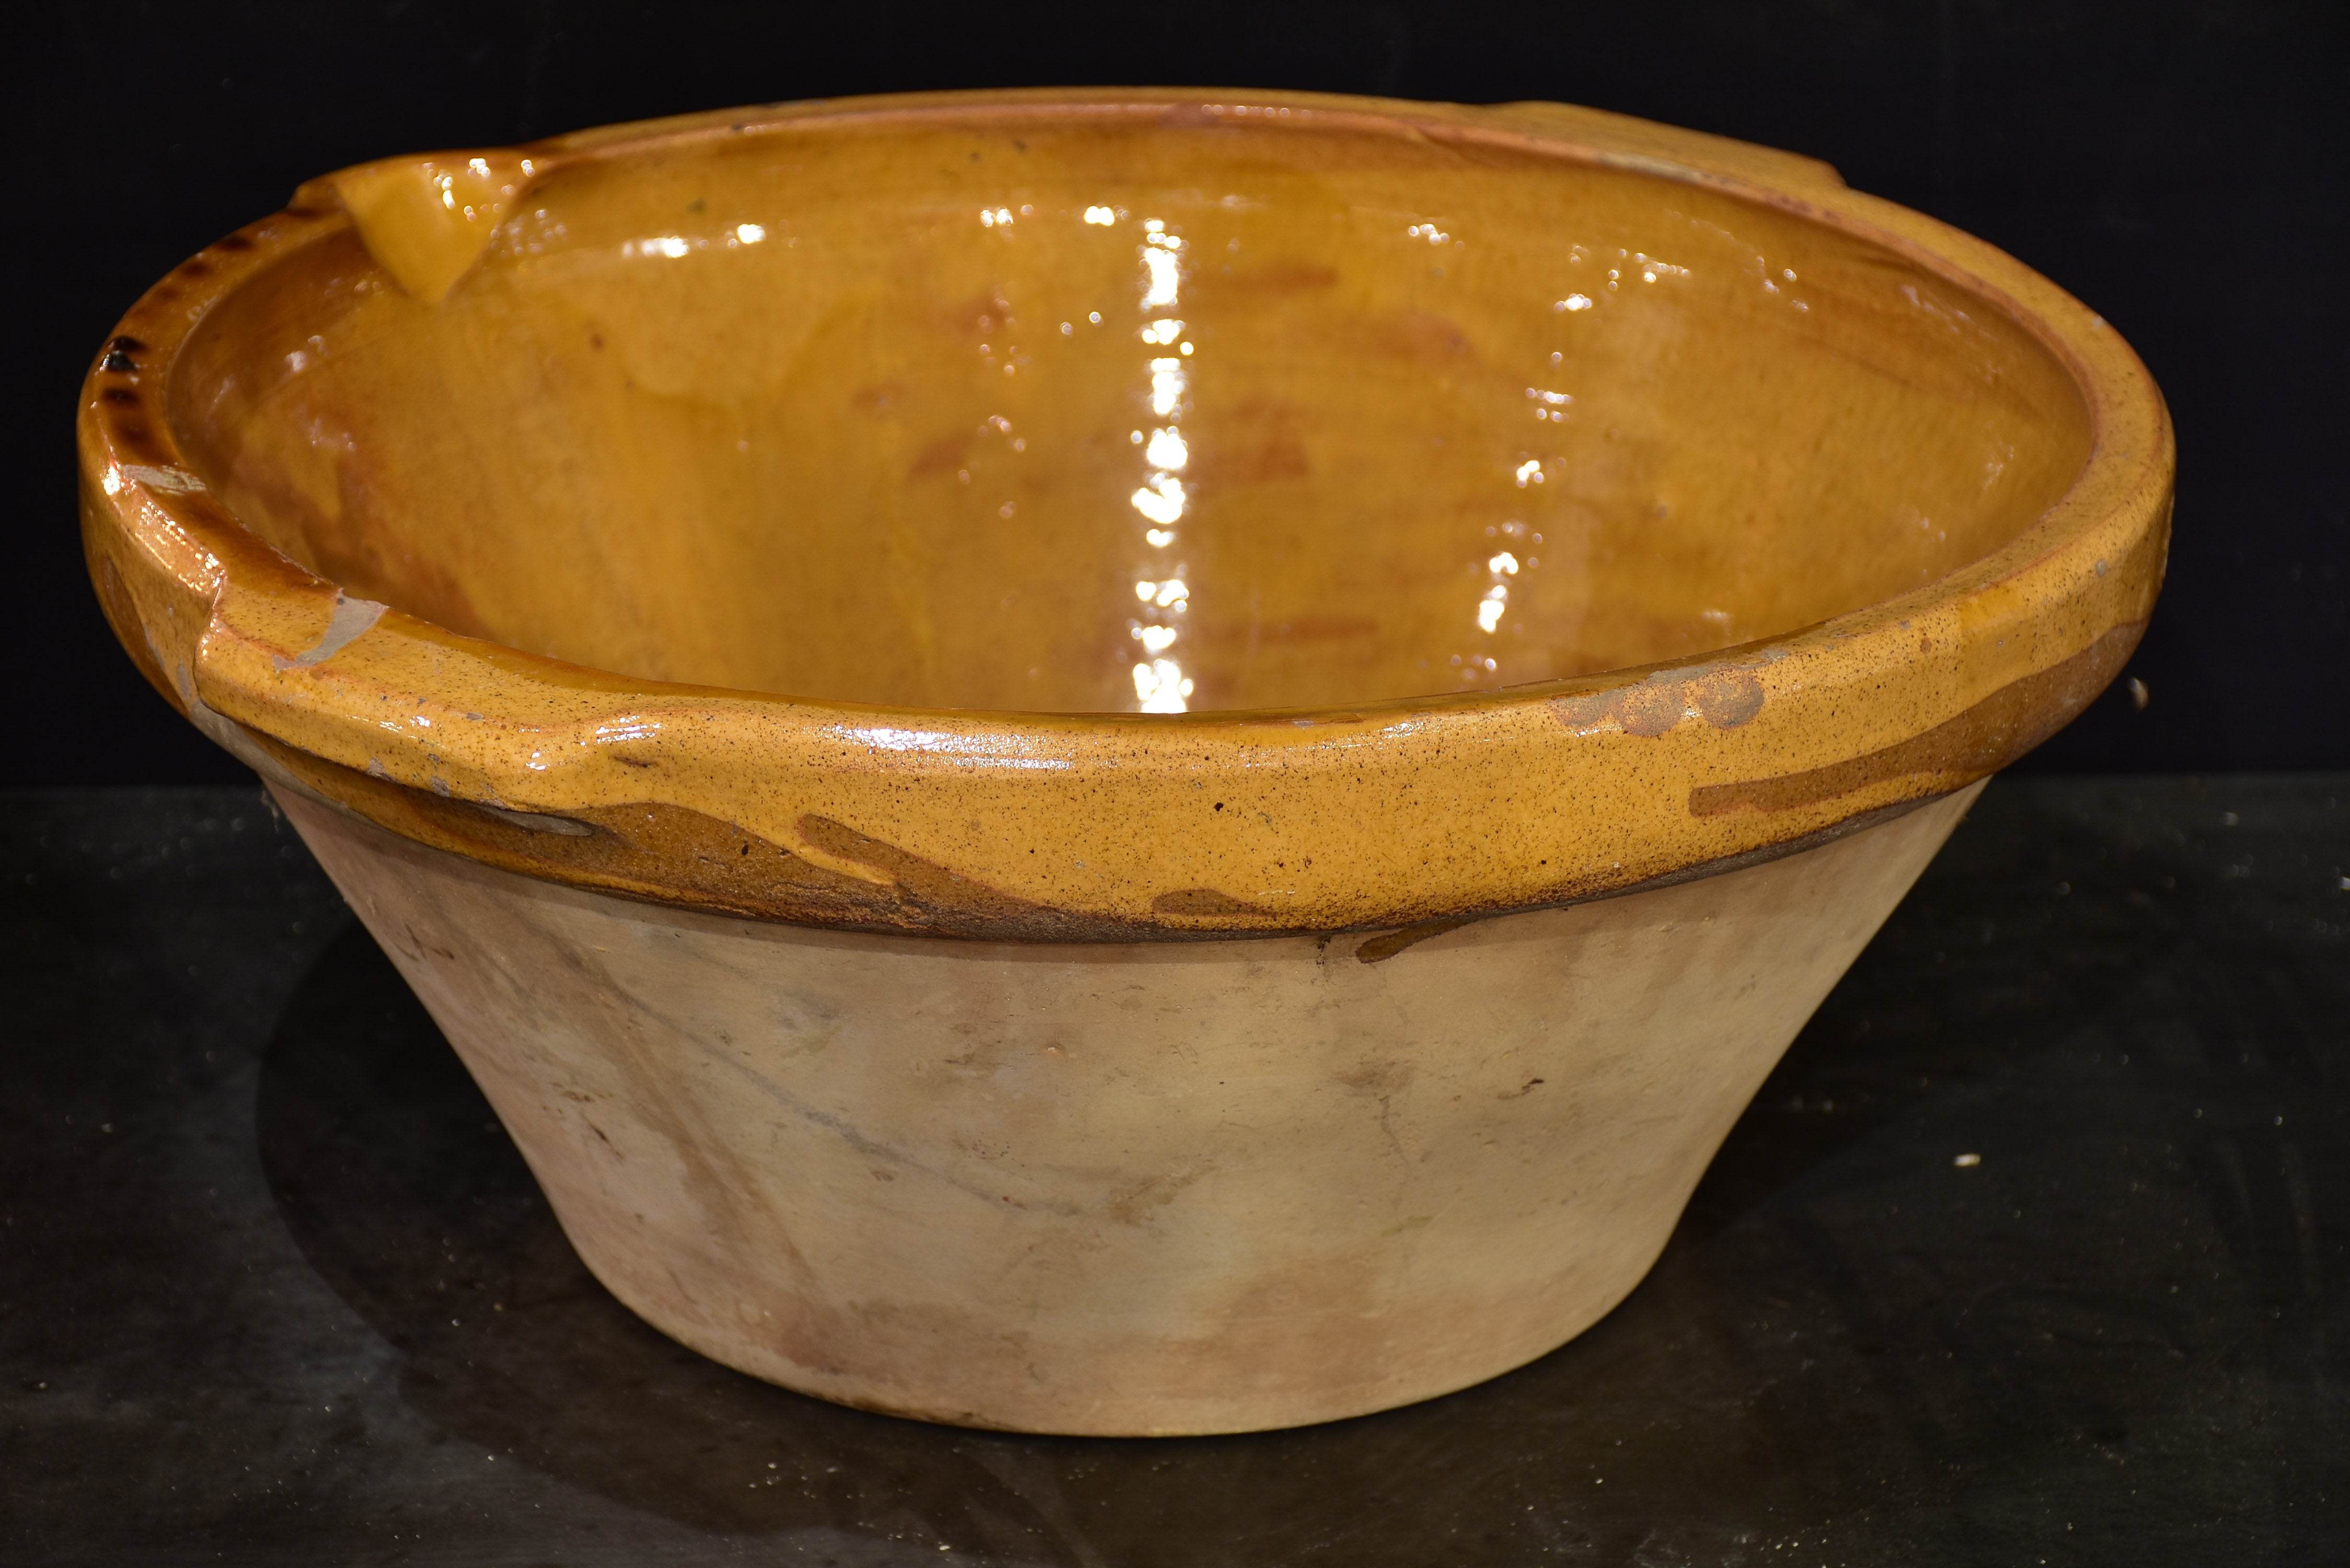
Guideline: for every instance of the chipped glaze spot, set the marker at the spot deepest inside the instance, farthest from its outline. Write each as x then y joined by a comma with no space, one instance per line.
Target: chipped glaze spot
350,618
1725,697
168,480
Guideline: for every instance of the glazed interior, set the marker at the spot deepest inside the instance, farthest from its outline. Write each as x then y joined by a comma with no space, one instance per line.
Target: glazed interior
1089,416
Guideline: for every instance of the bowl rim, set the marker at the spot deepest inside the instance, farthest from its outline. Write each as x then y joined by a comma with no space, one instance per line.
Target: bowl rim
1414,815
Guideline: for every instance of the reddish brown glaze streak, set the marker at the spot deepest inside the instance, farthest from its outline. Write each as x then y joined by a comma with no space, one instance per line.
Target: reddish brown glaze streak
1982,739
1380,949
663,853
1202,902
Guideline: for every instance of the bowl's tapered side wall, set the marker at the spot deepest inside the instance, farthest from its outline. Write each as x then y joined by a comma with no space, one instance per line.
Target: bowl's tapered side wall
1138,1188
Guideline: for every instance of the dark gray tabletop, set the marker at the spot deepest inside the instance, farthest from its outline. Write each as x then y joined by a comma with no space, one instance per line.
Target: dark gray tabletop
275,1288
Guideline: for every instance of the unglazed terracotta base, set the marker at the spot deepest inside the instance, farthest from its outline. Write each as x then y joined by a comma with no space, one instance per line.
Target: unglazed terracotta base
1120,761
1161,1187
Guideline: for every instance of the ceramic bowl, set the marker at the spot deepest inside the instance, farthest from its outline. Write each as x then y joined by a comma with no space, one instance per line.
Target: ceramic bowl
1122,761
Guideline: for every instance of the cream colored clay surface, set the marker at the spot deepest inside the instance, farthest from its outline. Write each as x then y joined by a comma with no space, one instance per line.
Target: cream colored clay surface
1122,1188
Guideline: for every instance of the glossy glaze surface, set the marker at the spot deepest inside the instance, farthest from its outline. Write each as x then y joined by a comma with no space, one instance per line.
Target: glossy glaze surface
487,493
1086,418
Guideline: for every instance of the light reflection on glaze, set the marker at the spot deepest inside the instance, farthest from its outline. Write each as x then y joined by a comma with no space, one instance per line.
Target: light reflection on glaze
626,727
959,749
1167,448
1497,609
1157,654
1159,684
1548,405
677,247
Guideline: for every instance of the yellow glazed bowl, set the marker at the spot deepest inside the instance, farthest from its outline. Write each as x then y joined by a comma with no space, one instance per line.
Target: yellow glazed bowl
1121,761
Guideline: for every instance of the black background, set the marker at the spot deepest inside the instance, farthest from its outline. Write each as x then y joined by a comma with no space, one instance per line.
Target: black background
2182,167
